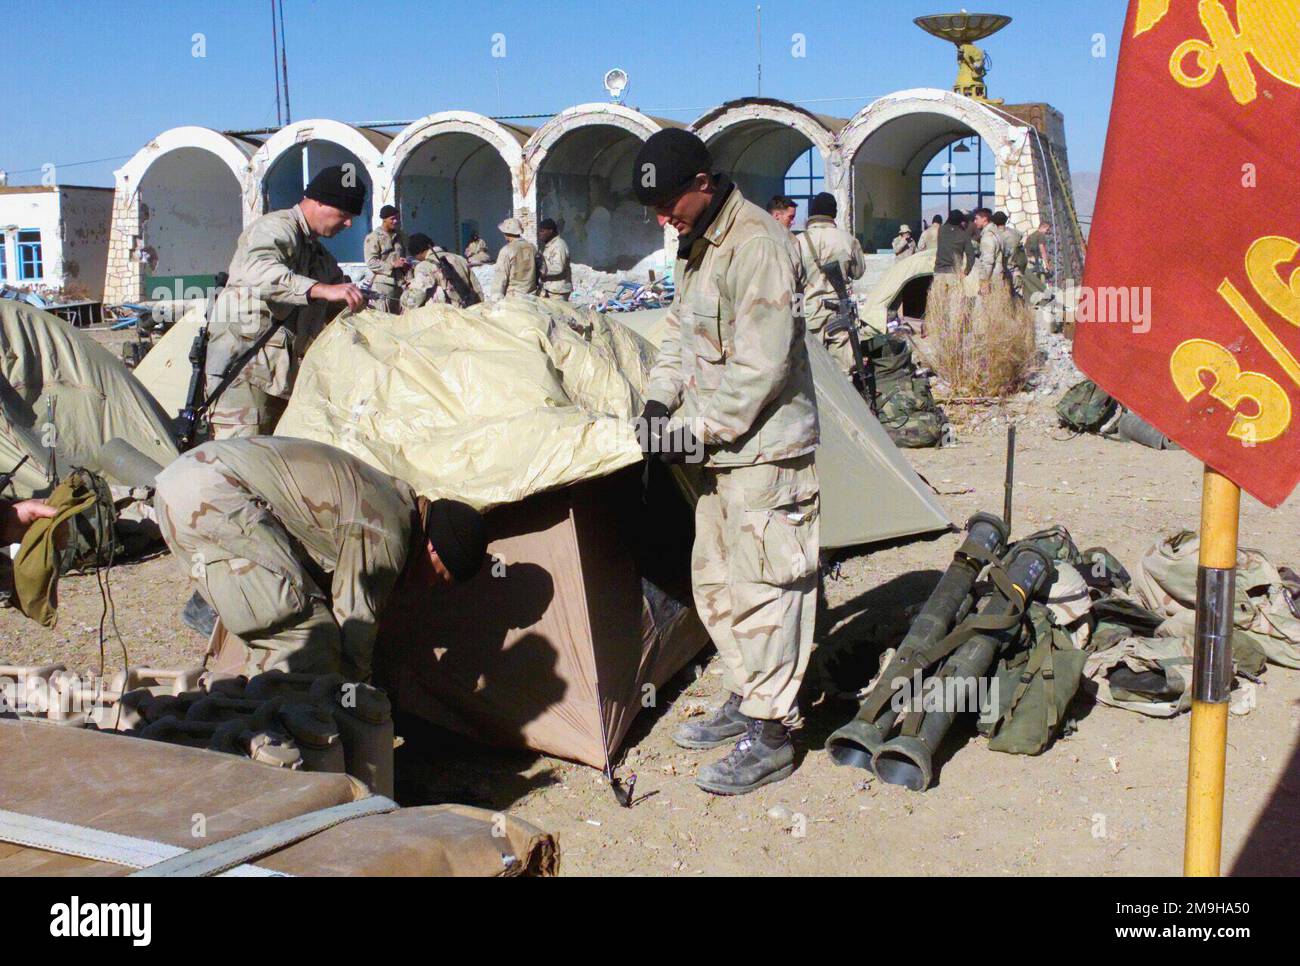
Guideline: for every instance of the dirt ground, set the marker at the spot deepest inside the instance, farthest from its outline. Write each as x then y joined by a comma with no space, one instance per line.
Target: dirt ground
1107,800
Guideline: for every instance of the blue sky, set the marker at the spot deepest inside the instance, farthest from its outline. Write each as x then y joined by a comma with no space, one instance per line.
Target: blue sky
98,79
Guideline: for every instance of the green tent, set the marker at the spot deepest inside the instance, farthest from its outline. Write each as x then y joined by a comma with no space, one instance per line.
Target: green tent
62,396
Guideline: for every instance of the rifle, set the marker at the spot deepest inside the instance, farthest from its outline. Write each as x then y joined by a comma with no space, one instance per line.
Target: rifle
7,478
846,320
188,423
463,290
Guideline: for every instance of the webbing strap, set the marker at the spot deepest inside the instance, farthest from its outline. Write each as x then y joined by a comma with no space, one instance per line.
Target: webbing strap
65,838
902,667
219,856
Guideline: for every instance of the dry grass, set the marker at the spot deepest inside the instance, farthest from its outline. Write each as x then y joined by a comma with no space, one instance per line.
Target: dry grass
983,346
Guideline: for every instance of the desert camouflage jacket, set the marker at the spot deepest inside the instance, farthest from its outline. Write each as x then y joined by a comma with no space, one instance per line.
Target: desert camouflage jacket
734,361
276,262
822,242
355,522
379,249
516,269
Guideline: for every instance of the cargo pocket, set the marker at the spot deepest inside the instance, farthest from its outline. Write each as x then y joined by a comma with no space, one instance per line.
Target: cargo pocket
782,524
253,600
706,340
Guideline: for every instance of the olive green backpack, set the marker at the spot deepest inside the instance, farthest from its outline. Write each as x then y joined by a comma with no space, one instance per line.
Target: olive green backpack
1085,407
1032,689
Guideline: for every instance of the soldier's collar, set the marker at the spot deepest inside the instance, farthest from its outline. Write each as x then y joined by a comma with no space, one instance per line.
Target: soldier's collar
302,223
818,220
717,217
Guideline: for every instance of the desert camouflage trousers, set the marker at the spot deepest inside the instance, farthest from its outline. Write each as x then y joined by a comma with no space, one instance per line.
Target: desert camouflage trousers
248,568
245,410
837,344
754,574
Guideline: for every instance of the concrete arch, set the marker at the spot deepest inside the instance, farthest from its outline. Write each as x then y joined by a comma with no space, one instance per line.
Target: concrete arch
456,171
887,145
287,159
179,205
756,139
578,170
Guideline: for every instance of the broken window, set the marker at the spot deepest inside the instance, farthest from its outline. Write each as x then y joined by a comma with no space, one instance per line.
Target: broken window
30,266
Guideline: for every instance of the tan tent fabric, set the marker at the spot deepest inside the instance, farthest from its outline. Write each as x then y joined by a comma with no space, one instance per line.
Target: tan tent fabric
165,370
874,302
95,398
487,405
553,646
869,490
154,790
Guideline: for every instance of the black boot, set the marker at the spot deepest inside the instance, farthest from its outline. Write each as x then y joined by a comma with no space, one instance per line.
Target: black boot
198,616
718,728
763,755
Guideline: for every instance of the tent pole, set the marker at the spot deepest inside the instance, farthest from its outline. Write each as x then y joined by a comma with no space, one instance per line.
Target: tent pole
1211,674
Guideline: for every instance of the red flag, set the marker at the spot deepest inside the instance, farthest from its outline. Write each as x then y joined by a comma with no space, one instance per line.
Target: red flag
1190,308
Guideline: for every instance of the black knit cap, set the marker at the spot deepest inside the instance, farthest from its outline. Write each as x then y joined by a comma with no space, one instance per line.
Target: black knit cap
419,243
823,204
388,211
338,188
667,162
548,223
457,532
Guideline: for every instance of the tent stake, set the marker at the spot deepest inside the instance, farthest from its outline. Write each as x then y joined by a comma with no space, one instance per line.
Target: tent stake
1010,483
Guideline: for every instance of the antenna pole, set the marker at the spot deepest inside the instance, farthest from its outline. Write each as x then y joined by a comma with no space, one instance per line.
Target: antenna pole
275,66
759,12
284,65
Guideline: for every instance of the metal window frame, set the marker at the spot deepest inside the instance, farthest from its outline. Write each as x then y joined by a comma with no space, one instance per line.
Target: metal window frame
38,261
980,193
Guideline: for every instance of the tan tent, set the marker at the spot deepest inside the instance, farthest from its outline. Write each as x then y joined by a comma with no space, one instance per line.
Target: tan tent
165,371
869,490
48,368
524,406
874,303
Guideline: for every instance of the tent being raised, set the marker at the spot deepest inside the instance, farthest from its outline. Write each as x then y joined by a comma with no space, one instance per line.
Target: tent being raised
525,406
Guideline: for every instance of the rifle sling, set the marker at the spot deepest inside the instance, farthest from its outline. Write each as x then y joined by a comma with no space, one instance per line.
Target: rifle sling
237,366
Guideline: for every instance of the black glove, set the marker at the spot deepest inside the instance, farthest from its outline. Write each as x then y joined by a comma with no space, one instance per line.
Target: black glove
676,445
650,423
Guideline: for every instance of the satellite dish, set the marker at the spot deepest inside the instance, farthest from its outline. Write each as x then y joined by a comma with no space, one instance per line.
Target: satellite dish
616,82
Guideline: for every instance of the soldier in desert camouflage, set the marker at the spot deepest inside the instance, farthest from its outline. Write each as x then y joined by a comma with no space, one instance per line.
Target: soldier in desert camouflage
516,262
428,278
298,546
823,242
734,370
280,273
385,253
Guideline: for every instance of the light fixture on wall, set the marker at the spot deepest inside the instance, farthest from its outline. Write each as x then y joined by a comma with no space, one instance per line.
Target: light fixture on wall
616,82
961,148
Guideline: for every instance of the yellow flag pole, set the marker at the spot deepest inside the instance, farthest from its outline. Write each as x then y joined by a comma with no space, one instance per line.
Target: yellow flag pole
1211,674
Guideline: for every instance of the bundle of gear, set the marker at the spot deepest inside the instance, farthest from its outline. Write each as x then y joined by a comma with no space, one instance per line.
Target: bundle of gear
1016,632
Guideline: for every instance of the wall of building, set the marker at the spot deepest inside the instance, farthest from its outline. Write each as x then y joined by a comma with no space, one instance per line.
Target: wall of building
585,184
285,180
455,171
25,208
453,184
884,198
191,215
74,225
86,215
